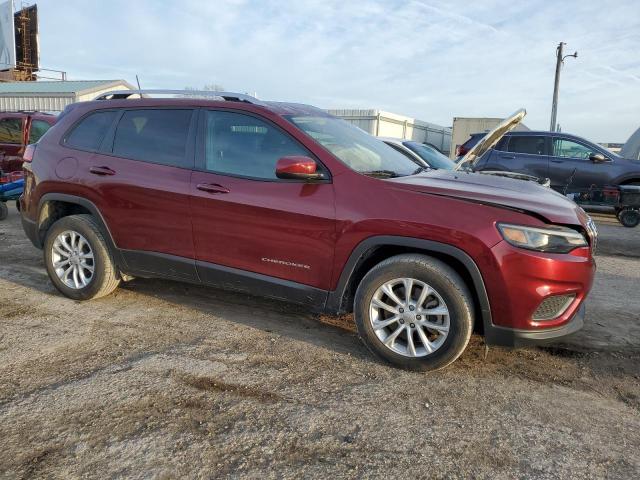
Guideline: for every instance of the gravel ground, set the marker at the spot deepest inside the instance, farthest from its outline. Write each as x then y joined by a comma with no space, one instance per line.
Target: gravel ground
165,380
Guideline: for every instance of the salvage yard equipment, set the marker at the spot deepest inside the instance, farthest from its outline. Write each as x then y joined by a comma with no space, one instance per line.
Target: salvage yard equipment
629,212
11,187
625,199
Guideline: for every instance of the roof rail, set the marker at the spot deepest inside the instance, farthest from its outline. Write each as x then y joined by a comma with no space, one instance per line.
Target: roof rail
227,96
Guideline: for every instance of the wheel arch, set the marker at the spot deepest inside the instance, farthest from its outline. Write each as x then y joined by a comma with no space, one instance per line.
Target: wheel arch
631,180
374,250
54,206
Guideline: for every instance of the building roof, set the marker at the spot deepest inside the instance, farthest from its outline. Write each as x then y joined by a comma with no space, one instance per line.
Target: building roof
58,87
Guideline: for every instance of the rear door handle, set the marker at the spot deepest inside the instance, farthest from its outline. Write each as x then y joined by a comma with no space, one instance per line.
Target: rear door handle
508,157
556,161
102,171
212,188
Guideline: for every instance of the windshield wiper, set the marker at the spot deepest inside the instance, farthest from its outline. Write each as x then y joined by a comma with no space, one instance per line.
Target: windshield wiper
420,170
382,173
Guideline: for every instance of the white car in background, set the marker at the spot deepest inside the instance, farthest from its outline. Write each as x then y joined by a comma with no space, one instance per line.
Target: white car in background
423,154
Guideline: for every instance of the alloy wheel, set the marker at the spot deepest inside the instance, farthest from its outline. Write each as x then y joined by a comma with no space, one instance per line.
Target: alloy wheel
72,259
409,317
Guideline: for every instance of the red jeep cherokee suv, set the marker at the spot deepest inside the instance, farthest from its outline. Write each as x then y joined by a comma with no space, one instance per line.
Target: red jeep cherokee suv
286,201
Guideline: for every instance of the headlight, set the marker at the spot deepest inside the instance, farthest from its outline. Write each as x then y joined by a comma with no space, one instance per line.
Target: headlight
552,240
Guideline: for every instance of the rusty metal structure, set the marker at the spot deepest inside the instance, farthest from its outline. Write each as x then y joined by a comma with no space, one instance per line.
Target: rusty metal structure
27,62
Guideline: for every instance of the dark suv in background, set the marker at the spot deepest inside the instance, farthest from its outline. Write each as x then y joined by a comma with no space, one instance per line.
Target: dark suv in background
570,162
287,201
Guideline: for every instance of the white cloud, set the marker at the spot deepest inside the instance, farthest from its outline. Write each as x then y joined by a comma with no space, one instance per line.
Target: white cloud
429,59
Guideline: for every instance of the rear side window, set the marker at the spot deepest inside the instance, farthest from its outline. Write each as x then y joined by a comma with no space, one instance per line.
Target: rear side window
158,136
89,133
11,131
38,129
529,144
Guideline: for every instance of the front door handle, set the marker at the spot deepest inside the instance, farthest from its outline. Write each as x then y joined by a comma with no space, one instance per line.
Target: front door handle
102,171
556,161
212,188
508,157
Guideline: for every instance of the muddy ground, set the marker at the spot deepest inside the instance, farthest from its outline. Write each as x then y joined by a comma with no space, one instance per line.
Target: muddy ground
165,380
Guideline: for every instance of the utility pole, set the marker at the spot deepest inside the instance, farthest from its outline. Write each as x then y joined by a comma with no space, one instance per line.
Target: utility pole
559,62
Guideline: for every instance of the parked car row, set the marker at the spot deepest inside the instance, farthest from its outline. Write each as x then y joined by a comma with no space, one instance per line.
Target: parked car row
286,201
17,130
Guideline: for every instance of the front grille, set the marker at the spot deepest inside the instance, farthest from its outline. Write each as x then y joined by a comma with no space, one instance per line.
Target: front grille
553,307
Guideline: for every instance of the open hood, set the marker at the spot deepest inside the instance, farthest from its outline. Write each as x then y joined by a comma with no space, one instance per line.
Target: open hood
490,139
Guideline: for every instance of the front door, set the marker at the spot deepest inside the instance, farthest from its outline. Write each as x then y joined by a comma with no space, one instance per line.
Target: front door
247,219
572,168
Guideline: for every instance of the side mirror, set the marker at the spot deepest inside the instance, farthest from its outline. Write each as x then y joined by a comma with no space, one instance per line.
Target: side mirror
298,167
597,158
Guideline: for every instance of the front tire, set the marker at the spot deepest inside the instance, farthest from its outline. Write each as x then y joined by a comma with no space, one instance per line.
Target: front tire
78,259
629,218
426,329
4,211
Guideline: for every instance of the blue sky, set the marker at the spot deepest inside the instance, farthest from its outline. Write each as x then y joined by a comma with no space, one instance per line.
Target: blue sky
432,60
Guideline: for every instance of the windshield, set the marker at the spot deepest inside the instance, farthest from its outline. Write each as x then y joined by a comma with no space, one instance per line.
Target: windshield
430,155
356,148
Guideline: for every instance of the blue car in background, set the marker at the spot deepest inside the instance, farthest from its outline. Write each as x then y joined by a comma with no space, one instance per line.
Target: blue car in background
571,163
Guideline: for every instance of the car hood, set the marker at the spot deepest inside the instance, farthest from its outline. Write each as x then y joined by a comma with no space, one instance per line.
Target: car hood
490,140
499,191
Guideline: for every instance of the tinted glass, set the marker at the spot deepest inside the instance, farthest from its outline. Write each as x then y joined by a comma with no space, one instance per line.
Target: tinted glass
526,144
242,145
158,136
88,134
11,130
429,154
38,129
357,149
569,149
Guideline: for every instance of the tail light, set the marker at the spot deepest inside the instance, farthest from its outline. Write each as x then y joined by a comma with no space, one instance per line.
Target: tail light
29,152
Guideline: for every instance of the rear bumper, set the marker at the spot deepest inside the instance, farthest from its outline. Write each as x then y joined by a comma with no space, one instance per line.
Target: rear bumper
513,337
31,230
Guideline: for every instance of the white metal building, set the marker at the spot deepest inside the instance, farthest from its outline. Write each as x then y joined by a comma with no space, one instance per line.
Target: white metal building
53,96
386,124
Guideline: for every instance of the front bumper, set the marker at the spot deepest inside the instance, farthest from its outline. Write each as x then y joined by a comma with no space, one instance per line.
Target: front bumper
513,337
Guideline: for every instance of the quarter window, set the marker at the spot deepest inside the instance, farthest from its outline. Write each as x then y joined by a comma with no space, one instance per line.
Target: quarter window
38,129
526,144
243,145
90,132
11,131
569,149
158,136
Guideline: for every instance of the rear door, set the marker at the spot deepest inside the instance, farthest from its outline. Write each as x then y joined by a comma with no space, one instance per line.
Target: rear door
140,179
523,154
572,168
246,218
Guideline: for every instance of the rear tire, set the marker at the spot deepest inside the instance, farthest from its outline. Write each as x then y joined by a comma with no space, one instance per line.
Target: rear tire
78,259
4,211
433,331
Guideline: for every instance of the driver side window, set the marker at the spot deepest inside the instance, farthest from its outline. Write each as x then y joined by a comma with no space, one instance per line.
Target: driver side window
243,145
569,149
